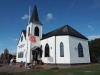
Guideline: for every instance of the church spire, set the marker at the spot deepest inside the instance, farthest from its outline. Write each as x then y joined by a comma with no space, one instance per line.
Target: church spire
34,17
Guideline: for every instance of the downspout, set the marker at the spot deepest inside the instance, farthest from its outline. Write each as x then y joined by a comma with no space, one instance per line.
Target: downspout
27,49
30,45
55,52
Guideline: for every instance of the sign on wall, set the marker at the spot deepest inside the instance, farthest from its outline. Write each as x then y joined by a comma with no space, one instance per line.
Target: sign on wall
32,38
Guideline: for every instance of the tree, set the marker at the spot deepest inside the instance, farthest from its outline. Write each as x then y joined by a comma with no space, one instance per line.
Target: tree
5,57
6,53
94,48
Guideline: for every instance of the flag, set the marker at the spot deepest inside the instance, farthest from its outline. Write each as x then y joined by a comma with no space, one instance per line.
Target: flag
32,38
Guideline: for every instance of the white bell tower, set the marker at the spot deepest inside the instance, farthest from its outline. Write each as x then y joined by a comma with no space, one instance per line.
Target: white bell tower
33,34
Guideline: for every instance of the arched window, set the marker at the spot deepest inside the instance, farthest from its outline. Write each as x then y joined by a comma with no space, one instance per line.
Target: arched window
47,50
80,50
28,31
36,31
41,47
40,53
21,38
61,50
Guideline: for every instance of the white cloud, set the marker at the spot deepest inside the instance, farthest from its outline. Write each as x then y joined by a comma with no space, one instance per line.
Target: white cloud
93,37
90,27
50,16
25,17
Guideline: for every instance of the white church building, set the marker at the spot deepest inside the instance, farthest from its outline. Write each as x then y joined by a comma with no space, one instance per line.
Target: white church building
64,45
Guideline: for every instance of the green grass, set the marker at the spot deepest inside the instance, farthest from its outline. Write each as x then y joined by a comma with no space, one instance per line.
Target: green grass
86,70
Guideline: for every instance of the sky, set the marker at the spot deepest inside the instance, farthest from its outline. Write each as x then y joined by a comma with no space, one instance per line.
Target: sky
82,15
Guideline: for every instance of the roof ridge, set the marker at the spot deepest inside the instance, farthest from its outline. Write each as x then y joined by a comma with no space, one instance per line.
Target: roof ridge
55,29
65,30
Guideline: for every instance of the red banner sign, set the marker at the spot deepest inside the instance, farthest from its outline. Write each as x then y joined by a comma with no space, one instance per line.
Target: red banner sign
32,38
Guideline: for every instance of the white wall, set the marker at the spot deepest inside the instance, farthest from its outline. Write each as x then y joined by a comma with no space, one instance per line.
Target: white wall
70,50
74,50
51,42
65,41
21,47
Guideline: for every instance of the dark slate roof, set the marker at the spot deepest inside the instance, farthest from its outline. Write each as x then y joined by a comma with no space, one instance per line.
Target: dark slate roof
24,32
65,30
34,18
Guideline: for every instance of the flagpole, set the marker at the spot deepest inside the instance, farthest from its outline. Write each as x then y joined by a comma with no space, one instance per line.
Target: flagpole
29,14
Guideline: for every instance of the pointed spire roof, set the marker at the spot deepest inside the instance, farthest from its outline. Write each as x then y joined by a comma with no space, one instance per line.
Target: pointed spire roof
34,18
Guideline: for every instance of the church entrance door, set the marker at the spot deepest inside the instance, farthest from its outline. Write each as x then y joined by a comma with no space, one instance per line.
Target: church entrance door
35,55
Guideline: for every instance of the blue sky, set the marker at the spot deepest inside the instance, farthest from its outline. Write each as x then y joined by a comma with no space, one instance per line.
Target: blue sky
82,15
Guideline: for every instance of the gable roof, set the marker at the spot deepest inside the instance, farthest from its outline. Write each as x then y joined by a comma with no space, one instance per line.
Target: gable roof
24,32
64,30
34,17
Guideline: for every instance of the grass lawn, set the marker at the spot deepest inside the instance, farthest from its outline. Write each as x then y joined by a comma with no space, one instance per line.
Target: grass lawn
83,70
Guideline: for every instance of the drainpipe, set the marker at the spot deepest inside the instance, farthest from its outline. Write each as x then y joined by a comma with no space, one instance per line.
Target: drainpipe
55,51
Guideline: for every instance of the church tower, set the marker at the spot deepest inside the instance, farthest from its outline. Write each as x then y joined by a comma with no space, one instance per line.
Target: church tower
33,34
